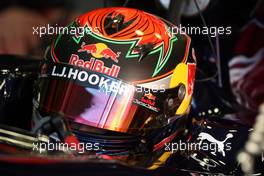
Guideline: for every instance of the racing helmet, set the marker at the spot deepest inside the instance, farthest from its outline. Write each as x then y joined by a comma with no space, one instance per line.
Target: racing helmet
120,77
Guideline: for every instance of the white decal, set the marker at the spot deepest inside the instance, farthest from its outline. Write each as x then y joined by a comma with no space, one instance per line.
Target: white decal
220,144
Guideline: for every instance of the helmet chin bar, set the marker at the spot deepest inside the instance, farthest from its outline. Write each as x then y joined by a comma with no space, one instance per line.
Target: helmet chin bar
175,124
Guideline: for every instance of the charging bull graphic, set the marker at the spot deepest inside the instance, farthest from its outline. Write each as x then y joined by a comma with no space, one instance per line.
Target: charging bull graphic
100,50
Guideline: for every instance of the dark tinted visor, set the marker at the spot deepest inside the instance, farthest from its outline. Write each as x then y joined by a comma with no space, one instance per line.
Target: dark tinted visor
97,100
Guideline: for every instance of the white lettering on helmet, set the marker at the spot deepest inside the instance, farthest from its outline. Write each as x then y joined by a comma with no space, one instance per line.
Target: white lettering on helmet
103,83
82,76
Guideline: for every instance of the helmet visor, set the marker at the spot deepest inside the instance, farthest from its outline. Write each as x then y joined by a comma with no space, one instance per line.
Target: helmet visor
97,100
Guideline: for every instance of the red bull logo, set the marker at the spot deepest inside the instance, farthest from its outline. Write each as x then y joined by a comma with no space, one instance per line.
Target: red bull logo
100,50
95,65
149,99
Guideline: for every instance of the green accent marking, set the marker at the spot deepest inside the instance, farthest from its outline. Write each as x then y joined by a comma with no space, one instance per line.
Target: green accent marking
129,54
78,39
57,40
159,67
59,36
